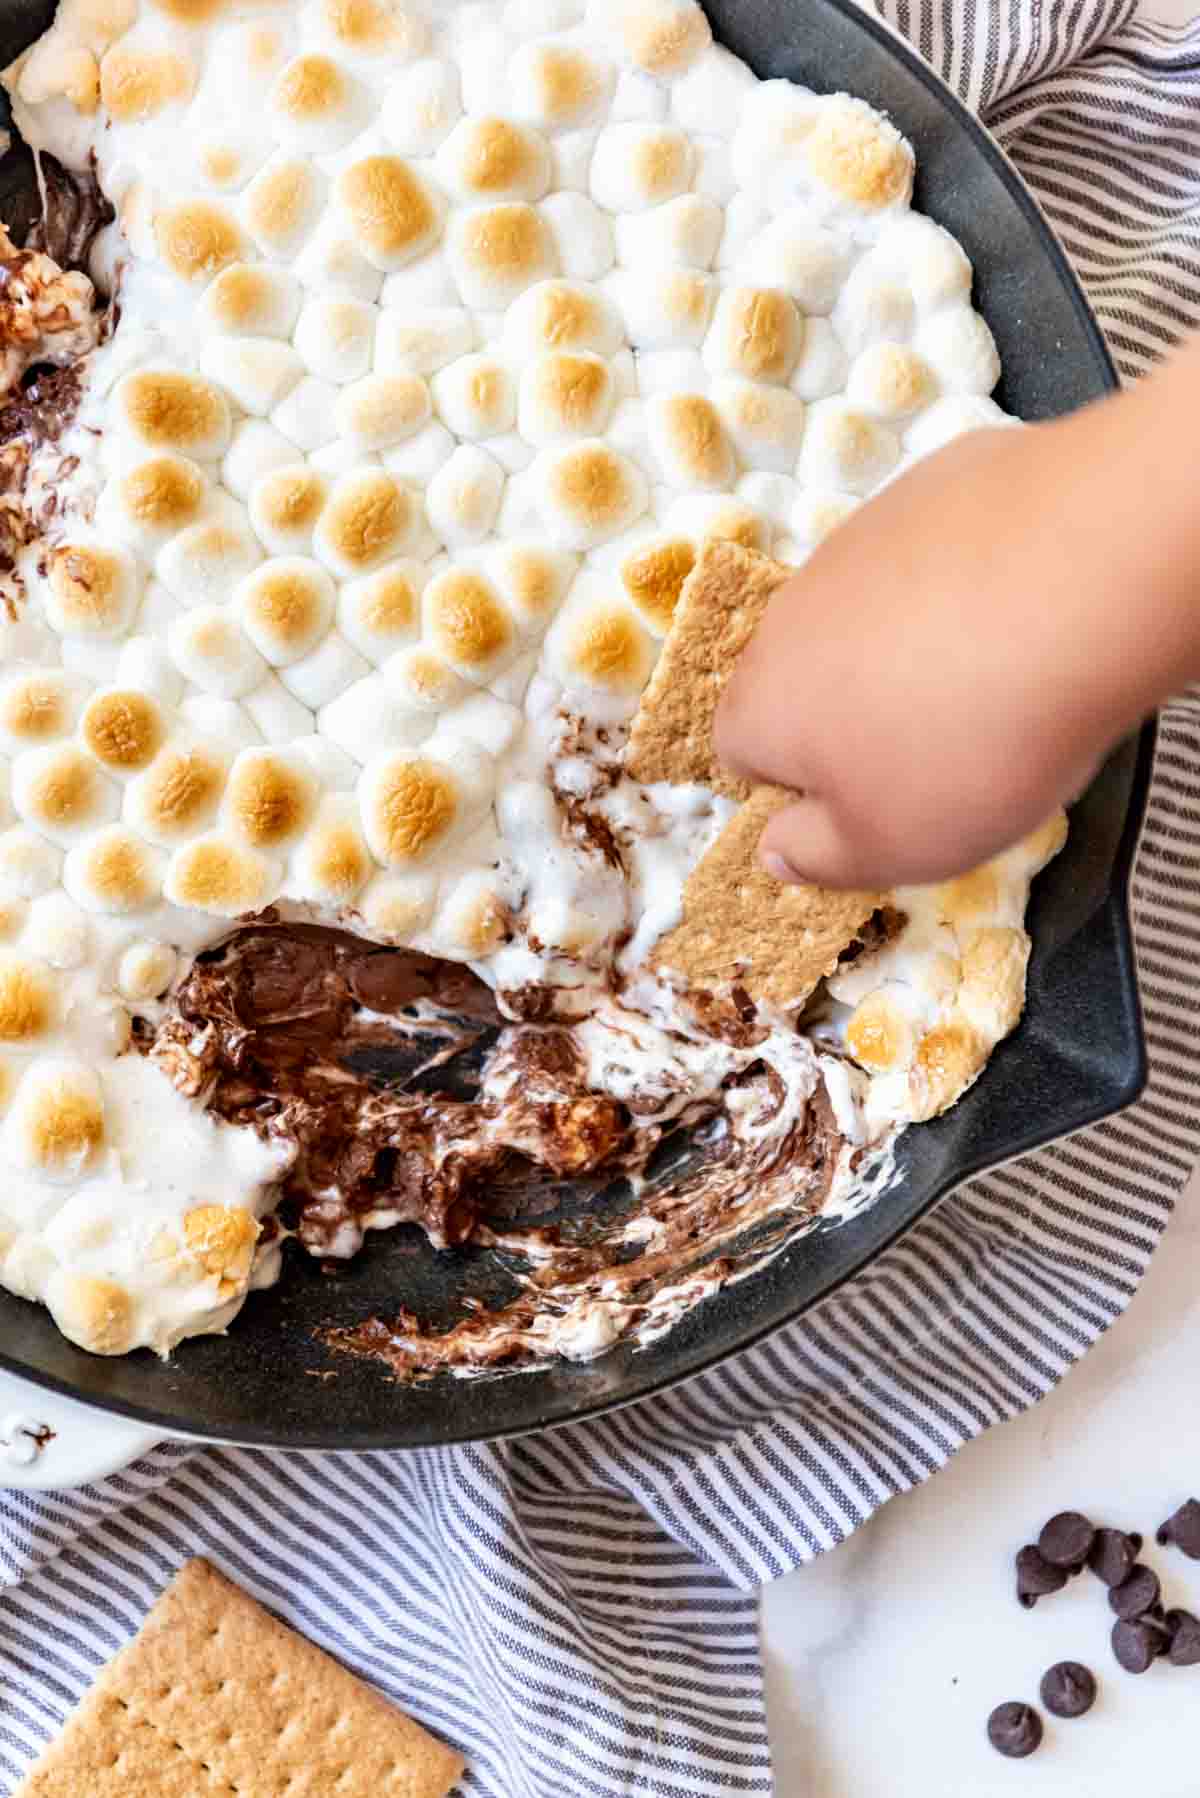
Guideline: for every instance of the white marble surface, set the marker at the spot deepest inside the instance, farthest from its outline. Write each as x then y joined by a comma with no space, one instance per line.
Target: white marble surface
885,1657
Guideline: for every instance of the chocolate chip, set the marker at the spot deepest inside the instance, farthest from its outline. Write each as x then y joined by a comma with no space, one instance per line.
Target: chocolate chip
1136,1593
1066,1539
1036,1578
1068,1689
1183,1529
1185,1638
1113,1554
1136,1642
1014,1730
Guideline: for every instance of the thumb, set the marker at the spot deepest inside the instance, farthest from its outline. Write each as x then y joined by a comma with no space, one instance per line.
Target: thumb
805,842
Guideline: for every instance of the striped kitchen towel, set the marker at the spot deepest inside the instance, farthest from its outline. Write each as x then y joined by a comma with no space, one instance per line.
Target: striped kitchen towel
577,1611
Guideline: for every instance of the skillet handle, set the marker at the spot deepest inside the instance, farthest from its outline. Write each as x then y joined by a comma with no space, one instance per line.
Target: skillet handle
50,1443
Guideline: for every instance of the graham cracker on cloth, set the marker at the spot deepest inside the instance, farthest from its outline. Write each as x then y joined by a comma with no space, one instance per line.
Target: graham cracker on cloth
739,925
214,1695
719,607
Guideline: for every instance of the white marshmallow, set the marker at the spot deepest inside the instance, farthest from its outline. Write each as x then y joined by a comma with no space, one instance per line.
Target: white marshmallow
483,719
331,264
306,418
818,511
820,370
685,232
710,95
334,769
463,498
847,449
258,371
420,342
512,452
635,166
421,106
670,371
571,160
254,450
805,259
873,308
953,417
765,423
318,678
368,717
418,458
771,495
210,649
926,258
958,344
429,281
145,666
276,714
335,338
201,564
582,235
664,307
223,721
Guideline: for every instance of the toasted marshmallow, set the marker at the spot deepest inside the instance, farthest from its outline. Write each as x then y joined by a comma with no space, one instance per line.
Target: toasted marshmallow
220,877
196,239
257,371
141,84
60,792
688,441
959,346
227,160
582,235
598,645
683,233
563,315
318,678
663,37
178,793
165,409
756,332
412,803
557,85
332,862
489,158
933,267
821,369
475,397
371,33
381,410
857,157
123,728
702,515
99,1314
636,166
468,624
398,907
38,707
281,205
664,308
421,107
380,613
332,263
114,872
463,498
270,798
532,578
802,258
285,505
873,308
55,1126
587,493
315,104
200,565
765,424
255,448
91,591
496,252
392,214
285,607
335,338
369,519
147,503
421,341
423,686
473,918
816,512
847,449
249,300
210,648
891,381
564,394
653,576
146,970
29,865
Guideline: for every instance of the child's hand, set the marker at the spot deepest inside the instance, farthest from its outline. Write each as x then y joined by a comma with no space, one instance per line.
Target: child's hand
953,662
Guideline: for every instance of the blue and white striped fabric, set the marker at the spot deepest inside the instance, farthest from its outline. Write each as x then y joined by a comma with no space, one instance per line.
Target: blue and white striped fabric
577,1612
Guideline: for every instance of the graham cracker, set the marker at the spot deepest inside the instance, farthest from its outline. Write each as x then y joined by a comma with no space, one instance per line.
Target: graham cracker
214,1695
719,607
739,925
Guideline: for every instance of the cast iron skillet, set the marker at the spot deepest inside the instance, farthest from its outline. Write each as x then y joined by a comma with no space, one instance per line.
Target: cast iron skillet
1078,1055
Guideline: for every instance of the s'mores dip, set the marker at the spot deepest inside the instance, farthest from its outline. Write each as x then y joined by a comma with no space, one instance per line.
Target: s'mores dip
409,408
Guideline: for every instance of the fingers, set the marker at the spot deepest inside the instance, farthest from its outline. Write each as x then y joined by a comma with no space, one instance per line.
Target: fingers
805,842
